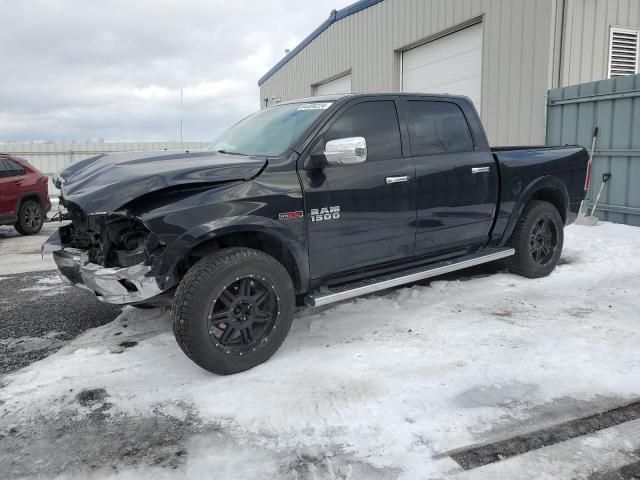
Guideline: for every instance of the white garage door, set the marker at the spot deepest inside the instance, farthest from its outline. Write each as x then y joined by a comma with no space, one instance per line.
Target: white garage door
451,64
339,85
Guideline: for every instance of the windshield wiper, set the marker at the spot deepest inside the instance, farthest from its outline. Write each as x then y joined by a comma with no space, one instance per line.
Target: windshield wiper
230,153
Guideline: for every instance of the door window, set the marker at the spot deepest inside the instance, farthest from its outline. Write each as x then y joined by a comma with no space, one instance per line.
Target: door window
377,122
12,169
438,127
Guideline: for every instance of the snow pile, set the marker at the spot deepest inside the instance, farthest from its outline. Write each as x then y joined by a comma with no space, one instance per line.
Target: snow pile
373,388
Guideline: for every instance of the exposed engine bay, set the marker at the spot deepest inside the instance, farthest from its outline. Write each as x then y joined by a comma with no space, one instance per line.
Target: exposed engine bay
110,239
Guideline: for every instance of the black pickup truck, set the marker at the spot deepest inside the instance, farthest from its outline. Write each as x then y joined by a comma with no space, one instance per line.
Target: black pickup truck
311,201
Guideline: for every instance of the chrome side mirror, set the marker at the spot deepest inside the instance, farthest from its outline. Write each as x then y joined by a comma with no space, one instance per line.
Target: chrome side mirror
346,151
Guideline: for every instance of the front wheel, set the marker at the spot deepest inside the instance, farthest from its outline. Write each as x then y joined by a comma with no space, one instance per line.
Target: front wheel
537,240
233,310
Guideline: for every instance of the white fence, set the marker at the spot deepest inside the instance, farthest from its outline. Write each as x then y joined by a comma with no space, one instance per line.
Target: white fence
51,157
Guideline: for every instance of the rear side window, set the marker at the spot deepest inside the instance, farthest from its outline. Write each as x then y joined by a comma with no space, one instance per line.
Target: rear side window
3,169
13,169
438,127
377,122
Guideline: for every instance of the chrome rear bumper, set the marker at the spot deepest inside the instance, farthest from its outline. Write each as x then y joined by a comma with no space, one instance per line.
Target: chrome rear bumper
111,285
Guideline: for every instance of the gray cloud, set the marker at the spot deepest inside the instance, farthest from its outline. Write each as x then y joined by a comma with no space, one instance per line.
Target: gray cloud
75,70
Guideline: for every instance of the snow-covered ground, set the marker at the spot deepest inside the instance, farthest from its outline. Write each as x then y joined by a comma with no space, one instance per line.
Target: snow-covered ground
379,387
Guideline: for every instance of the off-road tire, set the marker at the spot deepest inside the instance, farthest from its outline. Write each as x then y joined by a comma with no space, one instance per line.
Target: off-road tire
523,262
30,218
202,286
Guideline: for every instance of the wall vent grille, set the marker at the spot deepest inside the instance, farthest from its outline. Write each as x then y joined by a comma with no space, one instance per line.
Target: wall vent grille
624,52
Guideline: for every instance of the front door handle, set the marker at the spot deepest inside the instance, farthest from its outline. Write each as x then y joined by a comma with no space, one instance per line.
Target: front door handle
400,179
480,169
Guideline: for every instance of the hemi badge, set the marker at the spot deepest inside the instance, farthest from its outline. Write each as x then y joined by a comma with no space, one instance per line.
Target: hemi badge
291,215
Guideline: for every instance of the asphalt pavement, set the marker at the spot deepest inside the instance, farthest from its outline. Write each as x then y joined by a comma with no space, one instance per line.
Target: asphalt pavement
39,314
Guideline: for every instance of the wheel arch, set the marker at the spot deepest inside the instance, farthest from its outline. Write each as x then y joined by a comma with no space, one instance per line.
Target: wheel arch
549,189
263,234
29,196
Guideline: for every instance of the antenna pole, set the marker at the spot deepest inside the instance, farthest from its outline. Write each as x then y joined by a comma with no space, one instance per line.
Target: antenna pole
181,136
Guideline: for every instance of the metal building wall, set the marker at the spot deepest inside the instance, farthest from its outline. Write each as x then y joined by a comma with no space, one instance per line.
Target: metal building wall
585,56
517,52
614,107
51,157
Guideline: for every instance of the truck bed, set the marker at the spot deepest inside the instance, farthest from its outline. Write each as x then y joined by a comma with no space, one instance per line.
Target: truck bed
506,148
561,169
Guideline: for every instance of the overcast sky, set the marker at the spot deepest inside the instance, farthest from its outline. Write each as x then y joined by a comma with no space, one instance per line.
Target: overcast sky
77,69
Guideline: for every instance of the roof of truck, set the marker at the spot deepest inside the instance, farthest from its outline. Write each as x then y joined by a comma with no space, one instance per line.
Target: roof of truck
320,99
336,97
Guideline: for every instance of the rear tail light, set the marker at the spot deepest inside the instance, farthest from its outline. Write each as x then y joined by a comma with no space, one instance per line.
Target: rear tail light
45,179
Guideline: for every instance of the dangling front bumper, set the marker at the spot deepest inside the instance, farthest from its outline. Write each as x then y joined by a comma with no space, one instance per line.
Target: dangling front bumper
118,285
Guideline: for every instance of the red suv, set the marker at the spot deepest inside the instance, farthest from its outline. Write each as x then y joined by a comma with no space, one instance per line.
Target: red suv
24,195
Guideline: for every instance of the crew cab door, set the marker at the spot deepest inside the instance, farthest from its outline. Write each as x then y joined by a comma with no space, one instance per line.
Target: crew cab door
457,178
360,215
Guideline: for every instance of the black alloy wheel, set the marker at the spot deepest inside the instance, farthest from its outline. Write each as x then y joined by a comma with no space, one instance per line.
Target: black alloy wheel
537,239
233,309
543,241
244,315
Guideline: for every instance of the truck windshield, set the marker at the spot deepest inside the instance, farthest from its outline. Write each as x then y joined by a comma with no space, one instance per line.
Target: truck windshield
271,131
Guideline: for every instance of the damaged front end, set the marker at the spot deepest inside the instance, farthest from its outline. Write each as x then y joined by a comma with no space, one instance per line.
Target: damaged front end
115,254
110,254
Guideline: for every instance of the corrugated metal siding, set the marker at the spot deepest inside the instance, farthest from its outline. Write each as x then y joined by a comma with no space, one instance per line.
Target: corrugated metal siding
516,56
586,36
51,157
614,107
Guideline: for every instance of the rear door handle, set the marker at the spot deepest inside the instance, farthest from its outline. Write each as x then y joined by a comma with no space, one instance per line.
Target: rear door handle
399,179
480,169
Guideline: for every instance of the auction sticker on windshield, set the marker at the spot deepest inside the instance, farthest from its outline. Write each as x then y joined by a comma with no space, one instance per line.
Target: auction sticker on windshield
315,106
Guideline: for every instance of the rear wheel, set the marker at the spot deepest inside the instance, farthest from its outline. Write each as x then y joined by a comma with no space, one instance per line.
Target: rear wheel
233,310
30,218
537,240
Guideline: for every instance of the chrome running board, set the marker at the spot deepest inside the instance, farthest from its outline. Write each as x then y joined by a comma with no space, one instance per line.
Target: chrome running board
336,294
